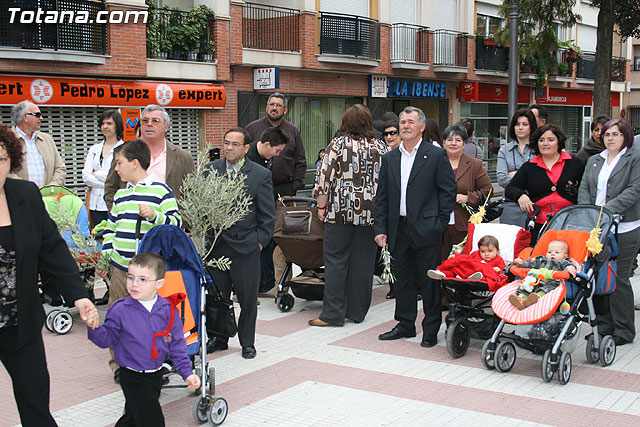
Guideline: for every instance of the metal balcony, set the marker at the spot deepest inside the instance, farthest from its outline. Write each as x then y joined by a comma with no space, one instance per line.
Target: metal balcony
270,27
450,48
349,35
490,56
409,43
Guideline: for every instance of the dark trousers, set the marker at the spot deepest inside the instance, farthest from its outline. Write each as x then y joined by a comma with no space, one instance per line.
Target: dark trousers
621,315
348,252
27,367
244,277
99,216
141,392
410,266
267,271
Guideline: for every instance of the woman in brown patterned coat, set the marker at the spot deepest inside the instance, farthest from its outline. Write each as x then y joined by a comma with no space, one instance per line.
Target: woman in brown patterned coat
345,186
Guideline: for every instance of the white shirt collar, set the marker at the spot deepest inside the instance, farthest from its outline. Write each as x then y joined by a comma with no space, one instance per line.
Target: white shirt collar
604,153
24,136
147,181
403,150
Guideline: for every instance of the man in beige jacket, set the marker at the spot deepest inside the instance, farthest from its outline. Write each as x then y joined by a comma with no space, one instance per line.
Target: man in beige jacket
42,163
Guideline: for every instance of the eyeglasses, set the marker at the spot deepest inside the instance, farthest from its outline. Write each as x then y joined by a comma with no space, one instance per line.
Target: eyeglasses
274,105
391,132
233,144
37,115
612,135
141,280
154,122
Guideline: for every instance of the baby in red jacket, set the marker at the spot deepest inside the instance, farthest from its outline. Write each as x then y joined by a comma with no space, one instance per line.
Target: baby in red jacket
485,263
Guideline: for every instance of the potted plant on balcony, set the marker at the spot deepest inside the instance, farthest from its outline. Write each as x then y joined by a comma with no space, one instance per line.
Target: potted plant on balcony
195,37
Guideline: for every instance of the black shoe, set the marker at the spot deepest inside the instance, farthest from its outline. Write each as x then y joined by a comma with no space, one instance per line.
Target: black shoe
395,334
215,344
428,342
619,340
116,376
248,352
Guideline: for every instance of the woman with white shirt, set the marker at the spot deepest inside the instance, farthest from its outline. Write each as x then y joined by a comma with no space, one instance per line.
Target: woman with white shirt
98,162
612,179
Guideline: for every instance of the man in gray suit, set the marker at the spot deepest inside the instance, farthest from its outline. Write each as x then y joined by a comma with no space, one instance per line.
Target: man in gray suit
416,194
243,242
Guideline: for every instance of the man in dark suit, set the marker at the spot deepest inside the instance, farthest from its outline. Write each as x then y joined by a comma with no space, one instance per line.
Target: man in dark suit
243,242
416,194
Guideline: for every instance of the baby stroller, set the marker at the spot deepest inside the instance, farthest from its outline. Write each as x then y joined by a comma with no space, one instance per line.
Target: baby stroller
186,274
299,233
70,215
470,314
553,333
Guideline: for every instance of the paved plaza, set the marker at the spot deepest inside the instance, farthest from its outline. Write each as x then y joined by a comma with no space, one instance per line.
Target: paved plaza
310,376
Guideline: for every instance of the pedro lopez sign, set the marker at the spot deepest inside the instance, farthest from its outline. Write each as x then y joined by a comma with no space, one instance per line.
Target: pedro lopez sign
111,93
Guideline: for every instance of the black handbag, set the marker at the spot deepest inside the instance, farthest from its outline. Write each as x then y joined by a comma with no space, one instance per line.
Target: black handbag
492,210
221,316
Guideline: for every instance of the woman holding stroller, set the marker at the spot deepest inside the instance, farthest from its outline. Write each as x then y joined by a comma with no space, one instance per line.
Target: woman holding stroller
510,157
28,239
346,187
472,180
550,180
612,180
98,162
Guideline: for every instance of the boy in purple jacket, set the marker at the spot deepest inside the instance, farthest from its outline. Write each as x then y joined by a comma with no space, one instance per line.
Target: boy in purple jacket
144,330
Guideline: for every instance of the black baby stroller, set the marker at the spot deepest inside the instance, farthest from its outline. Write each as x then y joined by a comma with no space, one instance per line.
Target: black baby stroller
299,233
470,314
185,274
554,332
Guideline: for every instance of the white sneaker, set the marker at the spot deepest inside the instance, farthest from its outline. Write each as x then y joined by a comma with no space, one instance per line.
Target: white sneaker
475,276
436,274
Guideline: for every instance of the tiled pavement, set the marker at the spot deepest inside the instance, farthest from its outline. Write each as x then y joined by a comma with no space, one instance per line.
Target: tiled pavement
306,376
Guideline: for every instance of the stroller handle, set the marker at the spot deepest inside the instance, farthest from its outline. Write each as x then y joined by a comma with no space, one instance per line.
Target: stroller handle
311,202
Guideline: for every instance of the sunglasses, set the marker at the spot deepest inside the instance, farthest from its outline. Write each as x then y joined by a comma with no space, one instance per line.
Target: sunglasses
154,121
391,132
38,114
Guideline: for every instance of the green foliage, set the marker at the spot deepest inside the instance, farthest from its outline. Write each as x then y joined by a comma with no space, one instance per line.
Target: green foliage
626,17
537,38
210,204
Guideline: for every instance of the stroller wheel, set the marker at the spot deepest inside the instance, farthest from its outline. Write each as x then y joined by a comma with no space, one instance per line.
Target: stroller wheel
49,320
564,373
200,409
488,354
549,366
62,322
458,338
285,302
592,352
607,350
505,356
218,411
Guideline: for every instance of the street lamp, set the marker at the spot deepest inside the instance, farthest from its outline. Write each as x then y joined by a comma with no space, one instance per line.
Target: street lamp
514,12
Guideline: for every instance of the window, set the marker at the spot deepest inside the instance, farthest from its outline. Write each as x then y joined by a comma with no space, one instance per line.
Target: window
486,25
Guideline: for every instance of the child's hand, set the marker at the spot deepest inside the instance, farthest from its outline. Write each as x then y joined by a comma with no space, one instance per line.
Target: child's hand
518,261
572,270
101,272
193,382
497,269
146,211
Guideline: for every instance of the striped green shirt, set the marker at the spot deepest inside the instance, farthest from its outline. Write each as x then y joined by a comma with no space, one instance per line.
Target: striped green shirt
120,233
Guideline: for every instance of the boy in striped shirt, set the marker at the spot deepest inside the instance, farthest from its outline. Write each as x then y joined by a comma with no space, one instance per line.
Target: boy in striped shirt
143,197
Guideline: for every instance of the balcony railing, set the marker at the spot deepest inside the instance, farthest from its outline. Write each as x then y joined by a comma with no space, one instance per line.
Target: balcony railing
409,43
587,66
618,69
636,63
270,27
349,35
490,56
180,35
450,48
90,37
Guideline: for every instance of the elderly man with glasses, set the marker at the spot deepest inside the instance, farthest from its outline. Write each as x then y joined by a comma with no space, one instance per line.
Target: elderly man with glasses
169,163
42,163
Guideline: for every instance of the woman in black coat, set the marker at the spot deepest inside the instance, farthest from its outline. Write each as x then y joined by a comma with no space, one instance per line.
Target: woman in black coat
550,180
29,239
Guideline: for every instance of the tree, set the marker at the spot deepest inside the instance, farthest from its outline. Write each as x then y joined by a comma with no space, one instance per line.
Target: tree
623,14
537,38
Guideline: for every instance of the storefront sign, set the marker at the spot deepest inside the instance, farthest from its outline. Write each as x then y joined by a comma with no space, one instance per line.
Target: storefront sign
266,78
111,93
130,117
559,96
377,86
486,92
416,89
